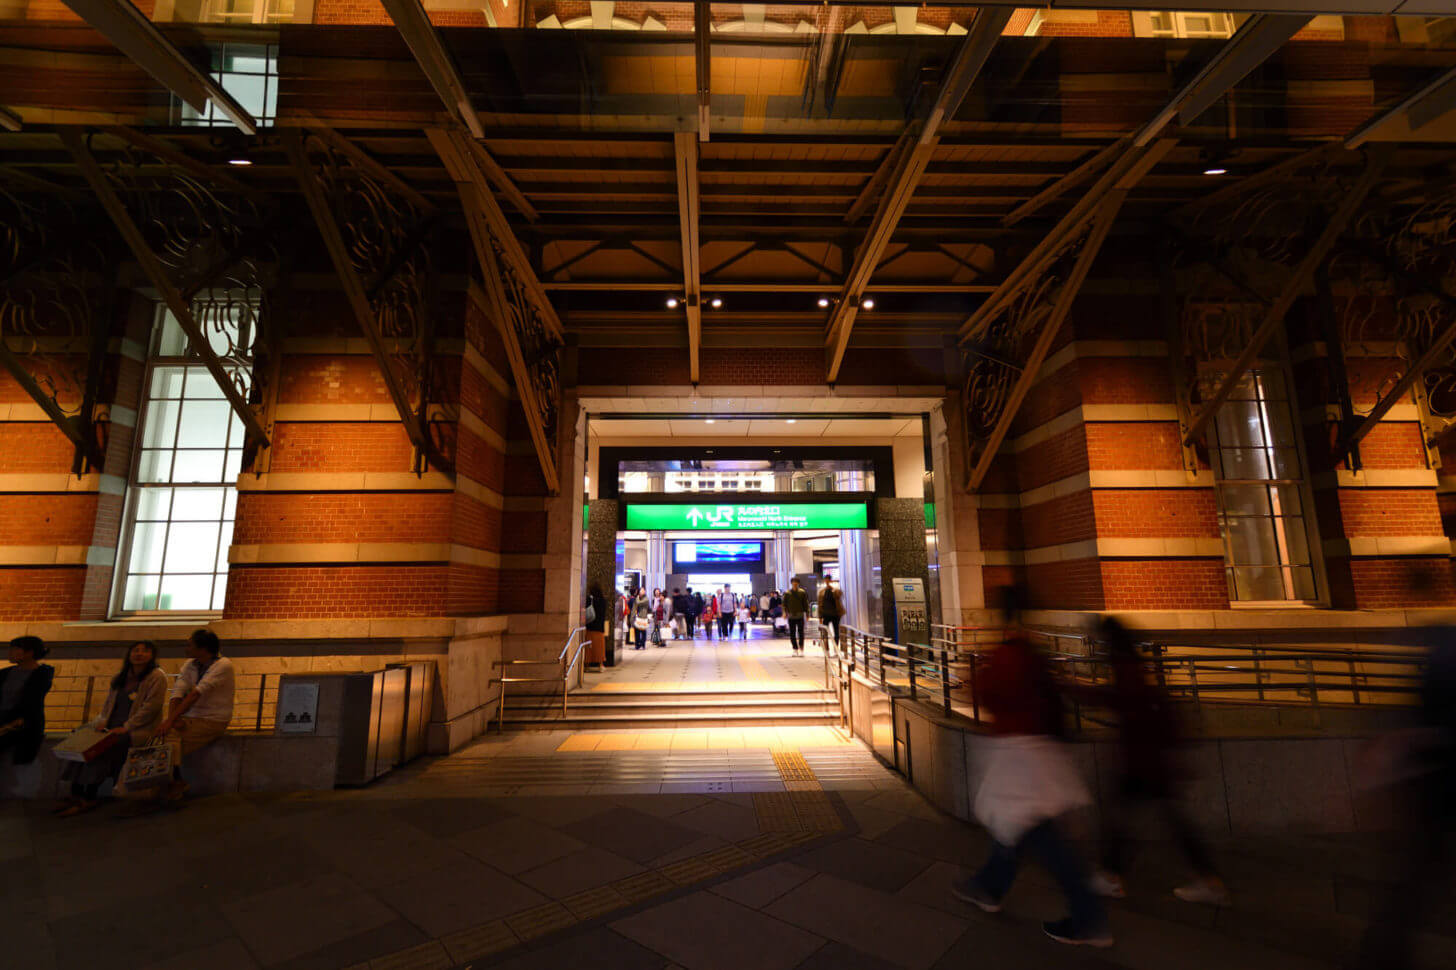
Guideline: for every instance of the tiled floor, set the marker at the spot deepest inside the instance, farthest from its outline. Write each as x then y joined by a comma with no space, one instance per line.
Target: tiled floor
760,662
798,852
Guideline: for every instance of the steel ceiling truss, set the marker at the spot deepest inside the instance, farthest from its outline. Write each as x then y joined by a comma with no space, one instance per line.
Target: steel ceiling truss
513,299
55,316
1272,228
187,237
1395,266
1001,364
685,153
376,238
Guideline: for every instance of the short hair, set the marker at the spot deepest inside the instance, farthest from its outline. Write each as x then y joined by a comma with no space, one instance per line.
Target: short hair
34,646
205,639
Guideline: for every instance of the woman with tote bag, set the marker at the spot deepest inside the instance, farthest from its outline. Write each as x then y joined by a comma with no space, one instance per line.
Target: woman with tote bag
1029,783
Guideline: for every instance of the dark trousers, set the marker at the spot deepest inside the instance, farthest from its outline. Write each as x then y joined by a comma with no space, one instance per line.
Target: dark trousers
796,632
831,621
1114,834
641,638
1046,845
692,622
725,624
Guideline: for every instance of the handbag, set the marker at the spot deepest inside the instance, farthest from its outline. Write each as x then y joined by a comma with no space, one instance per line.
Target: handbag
1028,780
591,612
640,623
148,767
86,743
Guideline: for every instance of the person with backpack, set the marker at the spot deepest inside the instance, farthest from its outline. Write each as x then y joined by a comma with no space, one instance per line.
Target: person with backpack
831,607
1028,785
695,610
1147,735
795,606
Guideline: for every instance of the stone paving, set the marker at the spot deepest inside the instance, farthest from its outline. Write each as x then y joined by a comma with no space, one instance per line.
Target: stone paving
516,854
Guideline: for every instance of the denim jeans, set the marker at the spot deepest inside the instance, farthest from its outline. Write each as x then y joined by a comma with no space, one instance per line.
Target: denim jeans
1046,844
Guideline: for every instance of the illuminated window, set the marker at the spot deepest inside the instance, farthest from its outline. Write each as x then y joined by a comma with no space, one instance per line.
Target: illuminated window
1182,23
249,11
1260,486
182,495
248,72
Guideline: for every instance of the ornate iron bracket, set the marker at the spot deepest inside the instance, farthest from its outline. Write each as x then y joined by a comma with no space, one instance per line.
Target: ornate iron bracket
55,305
376,239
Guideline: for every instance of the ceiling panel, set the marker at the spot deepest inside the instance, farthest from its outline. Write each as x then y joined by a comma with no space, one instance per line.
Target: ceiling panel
779,428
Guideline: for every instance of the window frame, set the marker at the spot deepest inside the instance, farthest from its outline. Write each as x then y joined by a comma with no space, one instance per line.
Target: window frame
1302,485
134,488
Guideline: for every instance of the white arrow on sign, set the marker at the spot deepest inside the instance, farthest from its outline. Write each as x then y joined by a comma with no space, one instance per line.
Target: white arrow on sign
695,515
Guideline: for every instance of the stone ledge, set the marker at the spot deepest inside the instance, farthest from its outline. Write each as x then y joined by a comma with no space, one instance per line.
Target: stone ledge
125,631
1388,546
1085,481
1378,478
346,482
1296,616
1176,548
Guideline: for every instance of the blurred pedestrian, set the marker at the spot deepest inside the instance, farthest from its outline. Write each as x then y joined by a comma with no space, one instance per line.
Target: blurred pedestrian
1148,734
1425,774
1028,785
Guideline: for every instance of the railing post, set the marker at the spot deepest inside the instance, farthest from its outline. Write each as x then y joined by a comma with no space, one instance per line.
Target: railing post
86,706
262,692
1258,673
880,649
975,686
1354,682
1313,693
945,678
501,718
565,674
1193,680
909,652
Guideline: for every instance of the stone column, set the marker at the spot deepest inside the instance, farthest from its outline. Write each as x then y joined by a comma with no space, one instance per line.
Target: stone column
601,552
901,522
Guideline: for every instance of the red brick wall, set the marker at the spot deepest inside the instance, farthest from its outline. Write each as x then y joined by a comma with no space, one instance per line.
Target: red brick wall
311,592
1165,584
1402,583
1133,445
286,517
1069,585
1170,513
1056,458
41,593
1389,512
63,519
320,379
1067,518
340,447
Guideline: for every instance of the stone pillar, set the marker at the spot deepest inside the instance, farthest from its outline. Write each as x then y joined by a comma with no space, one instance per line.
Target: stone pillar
601,547
901,522
783,559
657,563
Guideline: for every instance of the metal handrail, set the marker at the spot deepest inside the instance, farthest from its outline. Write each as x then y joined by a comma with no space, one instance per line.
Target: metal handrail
576,637
1294,672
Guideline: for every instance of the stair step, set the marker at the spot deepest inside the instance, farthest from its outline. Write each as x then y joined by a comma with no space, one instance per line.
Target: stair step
635,703
677,719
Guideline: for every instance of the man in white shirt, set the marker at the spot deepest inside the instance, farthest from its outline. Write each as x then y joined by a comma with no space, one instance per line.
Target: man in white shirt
202,699
727,606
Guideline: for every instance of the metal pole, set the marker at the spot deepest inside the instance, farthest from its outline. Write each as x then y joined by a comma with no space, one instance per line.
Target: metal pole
910,669
945,679
262,692
880,649
501,720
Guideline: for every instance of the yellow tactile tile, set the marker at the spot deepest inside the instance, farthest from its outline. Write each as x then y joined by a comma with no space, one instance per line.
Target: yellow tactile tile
653,741
618,741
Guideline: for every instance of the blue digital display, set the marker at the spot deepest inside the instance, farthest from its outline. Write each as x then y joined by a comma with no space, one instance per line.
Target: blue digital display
717,553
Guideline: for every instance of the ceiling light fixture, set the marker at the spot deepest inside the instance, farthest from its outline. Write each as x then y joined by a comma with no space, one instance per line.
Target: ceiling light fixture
672,303
240,161
793,421
712,421
716,303
824,303
1215,171
867,303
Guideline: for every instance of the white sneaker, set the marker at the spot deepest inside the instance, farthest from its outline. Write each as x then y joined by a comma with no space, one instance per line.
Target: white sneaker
1107,884
1209,891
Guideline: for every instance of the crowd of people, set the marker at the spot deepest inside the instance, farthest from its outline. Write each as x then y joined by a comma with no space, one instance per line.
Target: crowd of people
659,616
141,708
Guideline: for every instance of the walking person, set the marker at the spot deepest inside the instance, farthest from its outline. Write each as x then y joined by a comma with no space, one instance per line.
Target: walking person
133,709
796,607
596,628
680,627
727,610
641,619
23,689
1029,783
1147,734
743,617
695,610
659,616
831,607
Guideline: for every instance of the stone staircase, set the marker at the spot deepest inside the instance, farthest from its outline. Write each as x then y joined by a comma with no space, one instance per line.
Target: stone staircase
642,709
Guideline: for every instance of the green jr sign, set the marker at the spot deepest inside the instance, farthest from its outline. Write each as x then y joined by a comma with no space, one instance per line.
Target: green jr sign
708,517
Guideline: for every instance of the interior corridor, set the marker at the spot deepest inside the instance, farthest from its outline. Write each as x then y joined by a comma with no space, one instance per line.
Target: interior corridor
761,661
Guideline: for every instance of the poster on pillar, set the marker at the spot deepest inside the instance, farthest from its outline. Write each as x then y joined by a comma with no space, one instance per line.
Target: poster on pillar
912,624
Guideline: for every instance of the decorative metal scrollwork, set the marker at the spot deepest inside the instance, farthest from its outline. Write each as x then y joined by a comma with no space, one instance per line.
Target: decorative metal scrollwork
53,277
995,359
386,237
540,348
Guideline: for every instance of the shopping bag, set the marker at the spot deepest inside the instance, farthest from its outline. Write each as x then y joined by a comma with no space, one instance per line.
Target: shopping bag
148,768
86,743
1029,779
640,623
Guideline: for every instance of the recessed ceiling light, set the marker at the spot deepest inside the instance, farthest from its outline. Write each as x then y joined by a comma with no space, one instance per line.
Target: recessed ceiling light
823,302
672,303
240,161
1215,171
793,421
716,303
867,303
712,421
